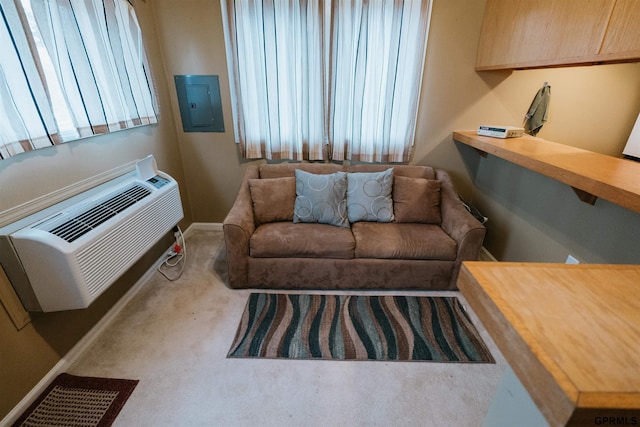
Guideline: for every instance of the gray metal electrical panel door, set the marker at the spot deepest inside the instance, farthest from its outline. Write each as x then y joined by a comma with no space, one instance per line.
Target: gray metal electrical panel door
200,105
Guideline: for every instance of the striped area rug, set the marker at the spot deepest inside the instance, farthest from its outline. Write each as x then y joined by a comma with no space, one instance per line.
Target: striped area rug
357,327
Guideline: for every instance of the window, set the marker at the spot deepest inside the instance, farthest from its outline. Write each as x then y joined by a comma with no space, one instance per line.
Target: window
342,75
68,70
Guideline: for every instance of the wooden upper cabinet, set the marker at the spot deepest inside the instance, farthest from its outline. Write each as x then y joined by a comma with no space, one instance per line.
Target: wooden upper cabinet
550,33
622,40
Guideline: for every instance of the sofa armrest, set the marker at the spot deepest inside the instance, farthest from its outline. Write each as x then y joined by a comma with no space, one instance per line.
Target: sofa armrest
238,226
458,223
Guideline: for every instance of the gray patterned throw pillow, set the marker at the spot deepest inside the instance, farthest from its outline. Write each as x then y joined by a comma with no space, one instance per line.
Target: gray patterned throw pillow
369,196
321,198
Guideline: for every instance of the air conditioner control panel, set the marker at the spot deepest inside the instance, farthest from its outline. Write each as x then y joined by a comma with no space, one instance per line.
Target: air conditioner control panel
157,181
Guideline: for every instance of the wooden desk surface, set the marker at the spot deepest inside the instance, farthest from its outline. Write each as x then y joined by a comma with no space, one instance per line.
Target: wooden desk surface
613,179
570,332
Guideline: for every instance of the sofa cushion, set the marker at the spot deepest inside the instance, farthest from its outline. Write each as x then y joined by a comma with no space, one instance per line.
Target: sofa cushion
289,240
273,199
403,241
411,171
416,200
369,196
280,170
321,198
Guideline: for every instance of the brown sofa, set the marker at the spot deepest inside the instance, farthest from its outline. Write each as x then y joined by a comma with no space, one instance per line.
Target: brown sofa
267,250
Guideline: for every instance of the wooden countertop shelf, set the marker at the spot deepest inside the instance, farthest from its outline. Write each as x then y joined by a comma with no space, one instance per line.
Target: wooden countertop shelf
591,175
571,333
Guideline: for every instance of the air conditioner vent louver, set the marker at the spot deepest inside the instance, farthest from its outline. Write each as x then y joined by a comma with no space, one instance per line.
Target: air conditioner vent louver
76,225
66,255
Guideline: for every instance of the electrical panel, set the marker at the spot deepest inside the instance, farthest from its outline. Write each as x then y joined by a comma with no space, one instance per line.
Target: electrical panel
200,105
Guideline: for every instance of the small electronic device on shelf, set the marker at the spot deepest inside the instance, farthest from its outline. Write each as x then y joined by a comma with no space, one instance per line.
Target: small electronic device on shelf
501,131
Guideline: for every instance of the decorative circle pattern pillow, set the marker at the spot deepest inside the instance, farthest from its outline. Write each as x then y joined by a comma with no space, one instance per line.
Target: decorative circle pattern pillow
369,196
321,198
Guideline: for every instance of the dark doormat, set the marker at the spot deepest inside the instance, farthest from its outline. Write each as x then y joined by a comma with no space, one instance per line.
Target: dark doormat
79,402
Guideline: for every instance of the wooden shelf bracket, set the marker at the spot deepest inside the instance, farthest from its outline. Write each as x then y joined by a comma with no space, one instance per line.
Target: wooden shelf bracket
585,196
481,153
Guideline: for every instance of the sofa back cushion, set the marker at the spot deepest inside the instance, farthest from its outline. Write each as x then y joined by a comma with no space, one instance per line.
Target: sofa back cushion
415,196
416,200
273,199
411,171
281,170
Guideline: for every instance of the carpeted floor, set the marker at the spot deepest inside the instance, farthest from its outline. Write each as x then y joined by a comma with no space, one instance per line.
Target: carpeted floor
174,338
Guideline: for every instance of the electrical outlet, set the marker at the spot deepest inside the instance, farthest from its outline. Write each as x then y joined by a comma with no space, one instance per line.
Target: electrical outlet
572,260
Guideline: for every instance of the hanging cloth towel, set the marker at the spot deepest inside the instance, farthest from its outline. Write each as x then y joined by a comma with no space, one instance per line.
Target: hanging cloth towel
537,114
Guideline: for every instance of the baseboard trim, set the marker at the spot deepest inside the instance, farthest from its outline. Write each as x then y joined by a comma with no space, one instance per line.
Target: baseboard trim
202,226
75,352
485,255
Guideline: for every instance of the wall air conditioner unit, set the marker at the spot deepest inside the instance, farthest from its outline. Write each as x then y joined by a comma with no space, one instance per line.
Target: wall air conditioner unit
68,258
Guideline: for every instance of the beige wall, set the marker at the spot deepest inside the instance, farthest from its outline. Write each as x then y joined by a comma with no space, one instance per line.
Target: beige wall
29,175
27,355
532,218
591,107
192,39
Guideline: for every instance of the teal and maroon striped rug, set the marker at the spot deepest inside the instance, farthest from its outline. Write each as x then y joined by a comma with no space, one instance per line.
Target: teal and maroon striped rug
357,327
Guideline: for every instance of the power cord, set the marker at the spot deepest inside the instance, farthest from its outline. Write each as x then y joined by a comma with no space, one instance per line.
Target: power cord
176,255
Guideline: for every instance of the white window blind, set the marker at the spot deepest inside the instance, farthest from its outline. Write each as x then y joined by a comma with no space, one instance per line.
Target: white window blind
70,69
308,73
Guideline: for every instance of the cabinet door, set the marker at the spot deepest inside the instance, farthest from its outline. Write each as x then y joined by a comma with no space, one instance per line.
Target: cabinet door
622,40
537,33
